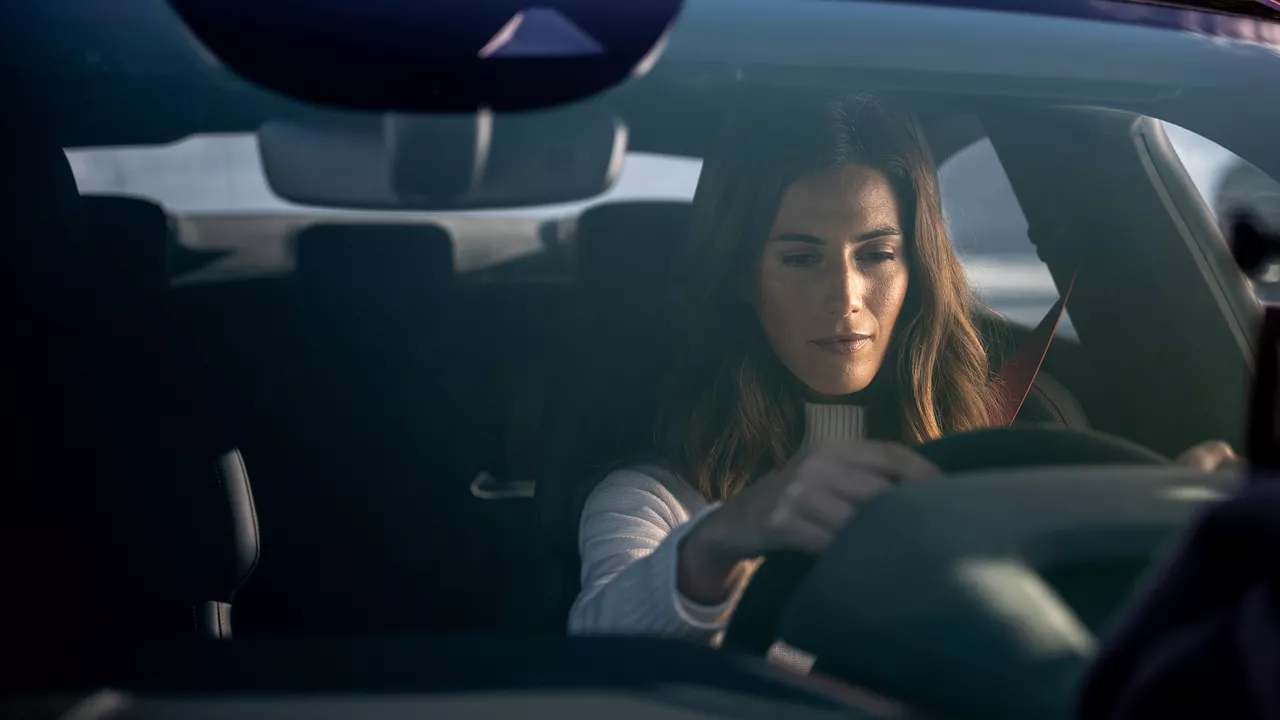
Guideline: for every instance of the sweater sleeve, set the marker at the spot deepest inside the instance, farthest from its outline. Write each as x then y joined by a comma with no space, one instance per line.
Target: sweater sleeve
629,541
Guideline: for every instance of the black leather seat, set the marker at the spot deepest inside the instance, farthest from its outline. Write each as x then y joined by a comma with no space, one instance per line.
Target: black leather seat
190,476
133,527
130,243
609,388
42,287
360,484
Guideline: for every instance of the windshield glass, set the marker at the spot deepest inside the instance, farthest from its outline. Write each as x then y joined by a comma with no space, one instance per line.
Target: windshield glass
806,257
213,186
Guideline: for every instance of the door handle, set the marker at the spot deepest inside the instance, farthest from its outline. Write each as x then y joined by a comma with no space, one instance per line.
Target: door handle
488,487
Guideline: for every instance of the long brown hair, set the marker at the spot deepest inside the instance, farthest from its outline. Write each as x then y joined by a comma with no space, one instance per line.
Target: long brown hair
733,411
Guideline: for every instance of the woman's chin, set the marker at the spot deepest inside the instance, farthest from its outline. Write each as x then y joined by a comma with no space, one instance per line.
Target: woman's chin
835,391
825,381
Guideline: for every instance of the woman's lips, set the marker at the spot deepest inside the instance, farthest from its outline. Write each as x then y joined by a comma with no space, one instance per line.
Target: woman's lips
843,344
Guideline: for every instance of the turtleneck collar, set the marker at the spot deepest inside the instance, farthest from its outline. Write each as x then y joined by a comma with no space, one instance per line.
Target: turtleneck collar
832,423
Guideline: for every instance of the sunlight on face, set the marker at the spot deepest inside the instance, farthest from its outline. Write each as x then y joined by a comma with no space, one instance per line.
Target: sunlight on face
833,277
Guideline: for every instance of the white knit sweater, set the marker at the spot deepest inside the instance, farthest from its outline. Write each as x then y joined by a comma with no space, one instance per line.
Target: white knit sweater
628,539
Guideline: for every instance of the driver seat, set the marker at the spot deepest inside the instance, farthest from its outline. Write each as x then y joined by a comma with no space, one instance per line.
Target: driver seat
610,398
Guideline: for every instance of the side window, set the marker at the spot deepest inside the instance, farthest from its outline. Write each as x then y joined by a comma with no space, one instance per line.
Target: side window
989,232
1230,185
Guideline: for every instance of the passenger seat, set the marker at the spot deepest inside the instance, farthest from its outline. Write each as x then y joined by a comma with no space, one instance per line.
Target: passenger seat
510,339
188,475
361,488
130,240
119,533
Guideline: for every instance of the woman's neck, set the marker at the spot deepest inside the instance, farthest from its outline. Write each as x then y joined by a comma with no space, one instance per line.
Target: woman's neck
866,396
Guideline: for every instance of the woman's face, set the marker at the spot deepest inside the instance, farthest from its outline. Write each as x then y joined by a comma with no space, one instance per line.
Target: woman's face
833,277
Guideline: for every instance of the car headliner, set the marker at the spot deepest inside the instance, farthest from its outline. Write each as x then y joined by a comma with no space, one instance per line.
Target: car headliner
129,73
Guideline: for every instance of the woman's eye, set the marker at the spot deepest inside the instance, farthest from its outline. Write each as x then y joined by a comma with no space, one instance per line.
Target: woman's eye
800,259
881,256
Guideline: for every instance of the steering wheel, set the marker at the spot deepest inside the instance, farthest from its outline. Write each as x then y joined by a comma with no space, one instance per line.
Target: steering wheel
754,625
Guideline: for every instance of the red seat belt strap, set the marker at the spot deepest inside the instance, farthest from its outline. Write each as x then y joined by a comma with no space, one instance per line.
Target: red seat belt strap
1013,383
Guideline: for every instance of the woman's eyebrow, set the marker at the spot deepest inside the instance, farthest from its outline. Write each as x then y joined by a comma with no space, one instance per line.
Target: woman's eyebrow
798,237
879,232
872,234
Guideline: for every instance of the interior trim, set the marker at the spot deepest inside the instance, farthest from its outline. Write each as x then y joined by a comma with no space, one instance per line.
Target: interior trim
100,705
1191,215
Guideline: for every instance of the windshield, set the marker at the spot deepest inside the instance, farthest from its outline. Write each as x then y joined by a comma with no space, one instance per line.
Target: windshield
803,257
209,181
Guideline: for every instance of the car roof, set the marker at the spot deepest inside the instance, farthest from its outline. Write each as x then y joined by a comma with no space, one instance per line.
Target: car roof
147,81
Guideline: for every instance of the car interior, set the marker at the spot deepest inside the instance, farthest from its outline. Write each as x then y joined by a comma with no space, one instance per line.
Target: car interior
367,445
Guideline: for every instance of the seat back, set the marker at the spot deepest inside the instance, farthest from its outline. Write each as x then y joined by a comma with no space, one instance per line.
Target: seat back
44,436
132,534
130,239
616,360
355,442
179,466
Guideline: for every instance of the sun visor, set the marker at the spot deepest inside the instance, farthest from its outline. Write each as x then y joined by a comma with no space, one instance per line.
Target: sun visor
481,160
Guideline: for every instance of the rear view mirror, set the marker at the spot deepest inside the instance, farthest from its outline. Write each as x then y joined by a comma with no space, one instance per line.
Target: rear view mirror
433,56
477,161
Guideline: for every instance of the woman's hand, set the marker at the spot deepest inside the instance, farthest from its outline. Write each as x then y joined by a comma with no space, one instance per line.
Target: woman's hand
800,506
1209,456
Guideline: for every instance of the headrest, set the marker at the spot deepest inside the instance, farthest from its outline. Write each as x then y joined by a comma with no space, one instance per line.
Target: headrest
43,246
130,238
626,249
374,262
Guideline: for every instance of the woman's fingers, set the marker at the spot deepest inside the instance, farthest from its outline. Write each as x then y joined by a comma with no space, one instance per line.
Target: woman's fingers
1209,456
806,536
892,461
819,515
802,505
856,485
831,501
827,510
808,506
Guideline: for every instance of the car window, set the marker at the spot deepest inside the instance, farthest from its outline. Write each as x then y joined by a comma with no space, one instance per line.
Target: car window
214,186
989,232
1231,185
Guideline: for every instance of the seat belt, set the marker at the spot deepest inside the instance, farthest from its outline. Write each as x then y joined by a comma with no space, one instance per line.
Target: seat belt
1013,382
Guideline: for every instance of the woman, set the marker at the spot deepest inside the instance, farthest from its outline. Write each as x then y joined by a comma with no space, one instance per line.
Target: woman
827,322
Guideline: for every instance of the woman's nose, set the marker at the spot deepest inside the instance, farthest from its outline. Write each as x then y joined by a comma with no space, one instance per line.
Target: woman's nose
845,294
